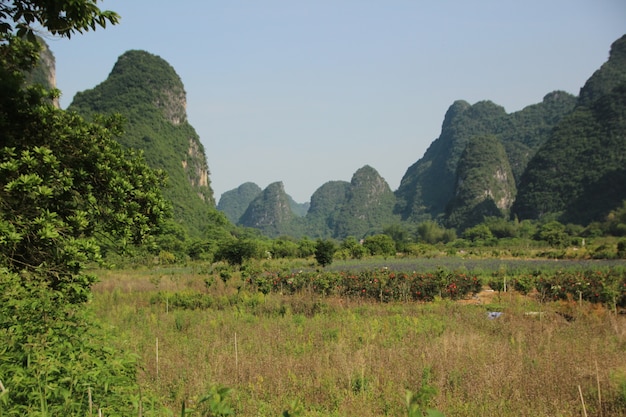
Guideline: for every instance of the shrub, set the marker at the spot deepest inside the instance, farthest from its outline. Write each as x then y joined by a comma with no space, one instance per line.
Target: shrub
324,252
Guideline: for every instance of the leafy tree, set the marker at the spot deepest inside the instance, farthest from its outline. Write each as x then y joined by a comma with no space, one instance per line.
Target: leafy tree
502,228
284,247
65,187
306,247
554,233
354,248
400,235
61,17
324,252
380,245
431,232
236,251
478,232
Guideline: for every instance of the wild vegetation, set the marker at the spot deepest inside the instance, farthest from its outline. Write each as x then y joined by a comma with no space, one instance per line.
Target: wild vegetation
109,306
292,343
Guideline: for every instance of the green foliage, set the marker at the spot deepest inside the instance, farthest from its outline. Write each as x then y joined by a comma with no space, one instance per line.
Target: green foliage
306,247
553,233
236,251
63,18
215,403
380,245
295,410
52,355
65,187
478,232
353,248
400,234
324,251
417,402
431,232
579,174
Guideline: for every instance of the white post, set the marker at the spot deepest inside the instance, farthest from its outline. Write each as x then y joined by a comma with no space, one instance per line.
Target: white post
157,358
236,358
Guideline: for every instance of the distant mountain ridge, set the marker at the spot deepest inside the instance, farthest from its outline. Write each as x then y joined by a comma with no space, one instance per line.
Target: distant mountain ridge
562,157
487,162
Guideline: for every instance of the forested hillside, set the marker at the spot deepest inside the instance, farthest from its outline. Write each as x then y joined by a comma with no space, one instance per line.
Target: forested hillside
235,202
580,173
338,208
485,185
150,96
429,185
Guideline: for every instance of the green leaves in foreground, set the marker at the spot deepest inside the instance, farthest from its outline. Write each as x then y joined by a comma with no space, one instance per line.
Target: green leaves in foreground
417,402
52,360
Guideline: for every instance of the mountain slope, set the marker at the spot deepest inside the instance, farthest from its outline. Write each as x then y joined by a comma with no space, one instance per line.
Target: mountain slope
270,211
368,207
326,203
429,185
580,173
485,184
148,93
235,202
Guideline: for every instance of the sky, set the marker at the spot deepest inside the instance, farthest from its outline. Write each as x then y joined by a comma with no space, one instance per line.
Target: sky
309,91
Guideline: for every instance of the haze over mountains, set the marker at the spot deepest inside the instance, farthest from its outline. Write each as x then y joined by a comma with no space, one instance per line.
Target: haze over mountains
563,157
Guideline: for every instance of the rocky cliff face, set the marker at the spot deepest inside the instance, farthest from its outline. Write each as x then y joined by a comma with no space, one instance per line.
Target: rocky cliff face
45,71
146,90
429,185
368,206
485,184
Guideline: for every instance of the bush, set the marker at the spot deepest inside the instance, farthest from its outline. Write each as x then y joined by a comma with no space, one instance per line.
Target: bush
324,252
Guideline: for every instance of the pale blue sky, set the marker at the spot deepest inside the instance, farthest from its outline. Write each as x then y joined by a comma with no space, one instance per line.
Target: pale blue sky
309,91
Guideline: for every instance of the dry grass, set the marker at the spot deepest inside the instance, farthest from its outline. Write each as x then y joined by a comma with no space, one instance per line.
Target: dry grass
345,358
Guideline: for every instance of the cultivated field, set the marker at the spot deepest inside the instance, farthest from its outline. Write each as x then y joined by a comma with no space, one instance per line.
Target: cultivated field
338,355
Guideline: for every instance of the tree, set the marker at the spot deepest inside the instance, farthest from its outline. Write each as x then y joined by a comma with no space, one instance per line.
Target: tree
66,186
61,17
554,233
380,245
400,235
324,251
236,251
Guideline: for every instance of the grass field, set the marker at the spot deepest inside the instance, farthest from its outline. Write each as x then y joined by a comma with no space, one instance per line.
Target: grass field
337,356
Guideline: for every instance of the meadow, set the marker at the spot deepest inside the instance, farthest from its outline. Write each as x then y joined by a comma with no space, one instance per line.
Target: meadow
255,348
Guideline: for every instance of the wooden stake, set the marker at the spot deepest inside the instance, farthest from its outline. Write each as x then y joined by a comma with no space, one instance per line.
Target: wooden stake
157,358
90,401
599,392
236,358
582,400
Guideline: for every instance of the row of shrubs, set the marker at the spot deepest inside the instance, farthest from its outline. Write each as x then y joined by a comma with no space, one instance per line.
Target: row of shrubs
377,284
385,285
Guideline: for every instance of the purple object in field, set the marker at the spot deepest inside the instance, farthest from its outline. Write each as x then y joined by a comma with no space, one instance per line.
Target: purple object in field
493,314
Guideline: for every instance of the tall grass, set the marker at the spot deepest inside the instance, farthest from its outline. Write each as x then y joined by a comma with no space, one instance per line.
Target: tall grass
338,357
